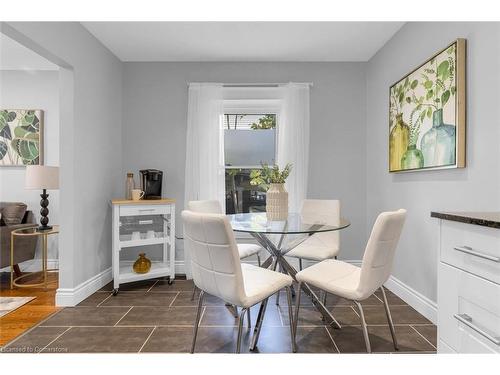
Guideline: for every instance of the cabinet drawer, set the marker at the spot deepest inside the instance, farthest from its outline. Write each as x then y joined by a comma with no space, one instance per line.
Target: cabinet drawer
468,311
472,248
145,209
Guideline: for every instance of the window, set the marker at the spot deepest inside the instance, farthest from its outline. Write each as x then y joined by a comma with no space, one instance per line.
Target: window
249,140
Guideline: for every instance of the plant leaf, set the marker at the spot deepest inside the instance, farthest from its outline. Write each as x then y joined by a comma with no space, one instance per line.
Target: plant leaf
27,149
3,149
442,69
11,116
445,96
5,132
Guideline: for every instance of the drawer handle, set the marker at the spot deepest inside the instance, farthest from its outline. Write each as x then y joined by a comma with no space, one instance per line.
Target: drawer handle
468,250
146,209
467,320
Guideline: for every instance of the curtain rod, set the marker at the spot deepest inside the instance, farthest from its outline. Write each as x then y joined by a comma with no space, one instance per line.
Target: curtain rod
276,84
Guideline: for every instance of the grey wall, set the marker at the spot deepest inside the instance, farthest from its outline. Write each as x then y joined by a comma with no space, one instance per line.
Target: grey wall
90,147
475,188
154,127
32,89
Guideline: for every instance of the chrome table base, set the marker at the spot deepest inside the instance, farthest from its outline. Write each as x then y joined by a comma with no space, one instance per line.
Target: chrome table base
276,258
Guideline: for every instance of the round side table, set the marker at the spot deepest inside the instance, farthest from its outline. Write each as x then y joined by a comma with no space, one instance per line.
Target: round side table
31,231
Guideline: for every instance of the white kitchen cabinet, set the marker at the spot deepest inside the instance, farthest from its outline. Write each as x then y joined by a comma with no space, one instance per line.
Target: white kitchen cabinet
154,222
468,287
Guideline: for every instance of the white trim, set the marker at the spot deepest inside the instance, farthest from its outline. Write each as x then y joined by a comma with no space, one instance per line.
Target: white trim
418,301
34,265
73,296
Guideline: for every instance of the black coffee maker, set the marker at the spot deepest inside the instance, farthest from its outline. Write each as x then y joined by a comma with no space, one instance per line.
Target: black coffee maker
151,183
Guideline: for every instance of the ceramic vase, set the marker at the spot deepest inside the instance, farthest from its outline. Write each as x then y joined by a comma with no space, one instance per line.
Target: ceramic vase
277,203
142,264
438,143
398,143
412,158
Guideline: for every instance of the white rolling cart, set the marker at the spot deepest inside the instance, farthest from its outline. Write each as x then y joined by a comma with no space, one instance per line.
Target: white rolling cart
143,216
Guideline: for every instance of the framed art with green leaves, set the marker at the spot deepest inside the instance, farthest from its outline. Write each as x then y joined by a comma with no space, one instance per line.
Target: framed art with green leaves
21,137
427,114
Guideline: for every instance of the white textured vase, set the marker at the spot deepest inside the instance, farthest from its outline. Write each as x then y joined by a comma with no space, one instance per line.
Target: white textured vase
277,202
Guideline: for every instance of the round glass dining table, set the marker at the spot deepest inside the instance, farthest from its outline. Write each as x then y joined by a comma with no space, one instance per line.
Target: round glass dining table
271,236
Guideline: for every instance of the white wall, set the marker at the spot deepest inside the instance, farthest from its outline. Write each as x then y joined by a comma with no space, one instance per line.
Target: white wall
475,188
21,89
90,144
154,127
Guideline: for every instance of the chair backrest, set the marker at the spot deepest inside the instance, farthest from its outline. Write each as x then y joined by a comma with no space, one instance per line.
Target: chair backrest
215,260
380,249
314,210
207,206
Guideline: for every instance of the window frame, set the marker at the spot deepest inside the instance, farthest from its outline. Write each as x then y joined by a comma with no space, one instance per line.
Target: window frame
254,107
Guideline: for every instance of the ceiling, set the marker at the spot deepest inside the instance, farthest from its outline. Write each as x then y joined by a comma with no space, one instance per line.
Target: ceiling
243,41
15,56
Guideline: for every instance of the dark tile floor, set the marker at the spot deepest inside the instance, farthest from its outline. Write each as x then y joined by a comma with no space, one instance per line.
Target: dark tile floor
153,316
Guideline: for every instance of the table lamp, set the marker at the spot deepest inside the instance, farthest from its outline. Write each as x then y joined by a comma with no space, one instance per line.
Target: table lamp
45,178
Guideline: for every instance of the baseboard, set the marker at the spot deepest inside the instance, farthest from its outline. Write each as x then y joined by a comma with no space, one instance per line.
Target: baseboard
73,296
34,265
419,302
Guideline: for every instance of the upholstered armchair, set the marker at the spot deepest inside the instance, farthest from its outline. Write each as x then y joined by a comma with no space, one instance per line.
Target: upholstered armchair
24,247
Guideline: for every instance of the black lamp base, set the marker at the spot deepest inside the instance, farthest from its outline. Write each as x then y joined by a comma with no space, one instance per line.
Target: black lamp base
44,212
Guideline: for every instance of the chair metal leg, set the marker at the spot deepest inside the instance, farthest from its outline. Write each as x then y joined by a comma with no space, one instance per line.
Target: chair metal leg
325,294
290,318
258,324
300,264
258,260
240,329
194,292
389,319
249,323
365,328
279,291
197,321
296,320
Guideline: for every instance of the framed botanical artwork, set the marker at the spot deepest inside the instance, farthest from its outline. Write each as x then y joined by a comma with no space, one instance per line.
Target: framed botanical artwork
21,137
427,114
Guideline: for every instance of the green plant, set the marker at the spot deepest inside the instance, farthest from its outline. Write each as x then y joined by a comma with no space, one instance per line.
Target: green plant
266,122
439,86
269,175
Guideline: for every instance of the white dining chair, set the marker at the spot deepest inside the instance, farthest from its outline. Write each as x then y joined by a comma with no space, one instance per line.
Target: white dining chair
358,283
245,250
322,245
218,271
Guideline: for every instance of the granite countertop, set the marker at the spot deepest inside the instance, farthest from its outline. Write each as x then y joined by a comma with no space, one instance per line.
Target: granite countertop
487,219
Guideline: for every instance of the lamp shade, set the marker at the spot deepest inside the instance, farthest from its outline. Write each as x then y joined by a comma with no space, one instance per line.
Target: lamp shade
42,177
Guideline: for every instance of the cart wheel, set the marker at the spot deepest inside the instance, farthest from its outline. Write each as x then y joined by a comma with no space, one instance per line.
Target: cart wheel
115,291
170,281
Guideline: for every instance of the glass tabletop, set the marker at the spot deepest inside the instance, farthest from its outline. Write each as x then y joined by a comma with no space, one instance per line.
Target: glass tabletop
33,231
295,224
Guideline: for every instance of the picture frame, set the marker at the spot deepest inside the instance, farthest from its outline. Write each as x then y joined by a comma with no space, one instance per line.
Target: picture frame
427,114
21,137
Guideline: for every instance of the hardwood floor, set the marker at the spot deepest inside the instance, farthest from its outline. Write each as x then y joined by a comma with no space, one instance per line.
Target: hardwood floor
29,315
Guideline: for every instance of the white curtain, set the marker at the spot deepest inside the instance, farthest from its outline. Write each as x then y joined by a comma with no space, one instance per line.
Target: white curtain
293,141
204,147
